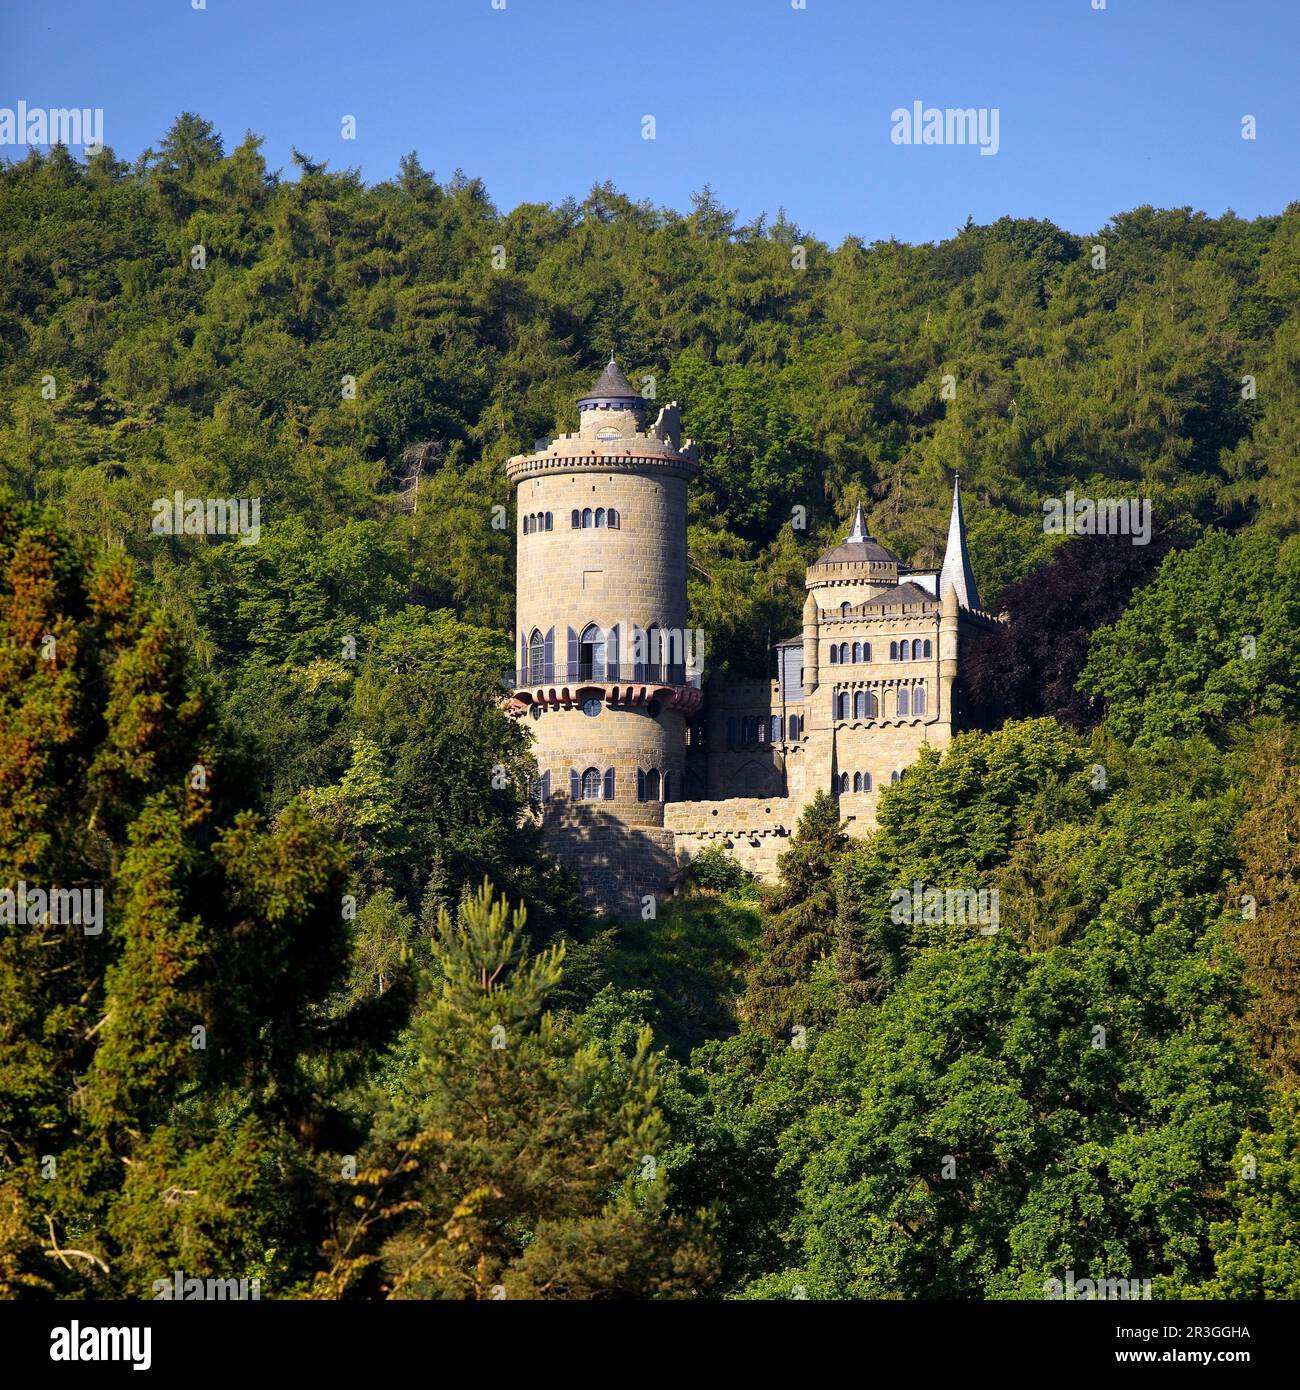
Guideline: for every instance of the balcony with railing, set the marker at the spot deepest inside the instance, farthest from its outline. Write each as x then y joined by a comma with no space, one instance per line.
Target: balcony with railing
559,683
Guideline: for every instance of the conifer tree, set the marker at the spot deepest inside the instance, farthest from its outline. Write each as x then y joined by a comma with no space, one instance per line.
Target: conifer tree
513,1158
799,929
153,1091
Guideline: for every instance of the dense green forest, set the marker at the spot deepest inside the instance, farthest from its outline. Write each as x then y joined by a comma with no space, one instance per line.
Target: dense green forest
347,1029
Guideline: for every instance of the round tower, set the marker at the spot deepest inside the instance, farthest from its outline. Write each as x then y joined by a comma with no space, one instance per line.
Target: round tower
607,673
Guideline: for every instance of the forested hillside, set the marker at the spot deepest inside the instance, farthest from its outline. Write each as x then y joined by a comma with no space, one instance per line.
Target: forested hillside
286,764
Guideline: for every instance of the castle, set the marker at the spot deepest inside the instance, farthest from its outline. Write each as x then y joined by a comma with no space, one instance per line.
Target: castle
641,767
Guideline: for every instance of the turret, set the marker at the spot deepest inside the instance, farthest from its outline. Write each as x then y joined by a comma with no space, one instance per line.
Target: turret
956,569
810,676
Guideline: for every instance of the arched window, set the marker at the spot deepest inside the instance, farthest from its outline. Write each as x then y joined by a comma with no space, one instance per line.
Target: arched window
844,609
866,781
866,651
654,652
549,519
844,653
918,700
609,784
857,781
903,648
536,656
526,525
600,516
860,705
577,517
640,784
546,786
776,728
611,517
842,706
652,785
792,727
894,777
591,784
586,517
842,785
835,655
857,651
893,651
731,731
873,706
903,702
926,649
591,654
916,649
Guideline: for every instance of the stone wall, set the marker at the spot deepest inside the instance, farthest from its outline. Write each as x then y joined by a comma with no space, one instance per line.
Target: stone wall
753,831
617,864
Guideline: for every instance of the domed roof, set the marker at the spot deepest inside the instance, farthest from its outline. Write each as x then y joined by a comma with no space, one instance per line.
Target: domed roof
611,385
857,548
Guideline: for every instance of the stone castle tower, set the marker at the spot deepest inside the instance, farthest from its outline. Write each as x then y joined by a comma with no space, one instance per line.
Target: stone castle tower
607,676
637,777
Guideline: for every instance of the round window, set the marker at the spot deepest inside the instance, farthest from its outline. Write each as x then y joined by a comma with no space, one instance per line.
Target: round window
591,707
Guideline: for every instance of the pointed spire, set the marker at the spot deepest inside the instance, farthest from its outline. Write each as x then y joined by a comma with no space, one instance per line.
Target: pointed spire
859,532
956,570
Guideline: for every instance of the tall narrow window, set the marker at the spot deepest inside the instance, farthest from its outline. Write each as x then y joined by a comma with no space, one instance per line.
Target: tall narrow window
640,784
549,519
591,784
917,647
536,656
600,516
843,783
893,651
918,700
903,702
612,516
857,651
731,731
857,781
591,654
844,653
776,728
577,518
586,516
842,706
903,647
860,705
835,655
866,651
926,648
792,727
873,706
652,785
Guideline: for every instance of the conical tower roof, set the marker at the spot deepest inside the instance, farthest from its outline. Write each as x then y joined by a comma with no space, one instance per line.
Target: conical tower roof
610,385
956,571
857,547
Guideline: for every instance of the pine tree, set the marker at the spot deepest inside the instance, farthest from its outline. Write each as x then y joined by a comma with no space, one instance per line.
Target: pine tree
799,929
513,1158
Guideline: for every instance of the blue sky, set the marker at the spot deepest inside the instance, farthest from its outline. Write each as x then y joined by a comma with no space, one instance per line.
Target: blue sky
1099,110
